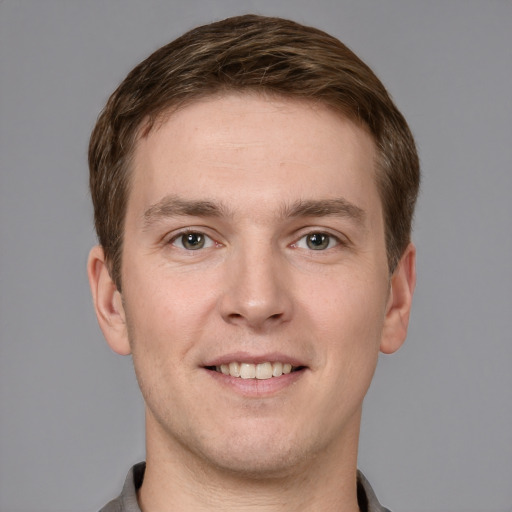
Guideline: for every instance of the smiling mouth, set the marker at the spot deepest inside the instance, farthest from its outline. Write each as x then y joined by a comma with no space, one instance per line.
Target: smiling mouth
260,371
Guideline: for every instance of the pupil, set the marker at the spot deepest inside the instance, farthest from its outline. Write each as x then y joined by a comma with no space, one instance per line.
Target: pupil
318,241
193,241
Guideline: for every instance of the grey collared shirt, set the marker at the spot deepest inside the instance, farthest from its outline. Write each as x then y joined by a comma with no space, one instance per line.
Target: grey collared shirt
127,500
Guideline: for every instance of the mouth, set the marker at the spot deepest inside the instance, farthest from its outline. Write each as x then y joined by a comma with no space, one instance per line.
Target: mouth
260,371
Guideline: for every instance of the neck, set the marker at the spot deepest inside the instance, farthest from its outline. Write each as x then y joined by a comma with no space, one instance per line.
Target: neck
179,480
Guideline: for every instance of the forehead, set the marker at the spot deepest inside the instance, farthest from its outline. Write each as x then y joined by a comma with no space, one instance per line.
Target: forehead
253,145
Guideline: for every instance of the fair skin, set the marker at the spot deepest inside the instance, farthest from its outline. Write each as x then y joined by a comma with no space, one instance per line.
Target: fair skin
254,234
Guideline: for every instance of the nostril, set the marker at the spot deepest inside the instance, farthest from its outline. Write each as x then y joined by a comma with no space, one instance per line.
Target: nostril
252,311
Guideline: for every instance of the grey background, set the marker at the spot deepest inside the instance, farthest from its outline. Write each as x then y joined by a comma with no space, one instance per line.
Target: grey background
437,430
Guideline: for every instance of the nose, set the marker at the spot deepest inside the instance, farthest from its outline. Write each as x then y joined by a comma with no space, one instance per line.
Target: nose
258,294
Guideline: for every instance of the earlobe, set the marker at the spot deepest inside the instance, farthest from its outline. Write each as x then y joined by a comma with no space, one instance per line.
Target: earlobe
399,304
107,302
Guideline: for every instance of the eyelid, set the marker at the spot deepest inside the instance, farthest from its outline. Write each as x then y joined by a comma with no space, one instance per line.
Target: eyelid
176,235
339,238
333,242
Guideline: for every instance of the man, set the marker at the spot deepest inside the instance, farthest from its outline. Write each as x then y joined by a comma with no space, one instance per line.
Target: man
253,187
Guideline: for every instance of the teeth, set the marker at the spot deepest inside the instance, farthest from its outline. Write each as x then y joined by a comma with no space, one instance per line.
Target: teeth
247,371
277,371
261,371
234,369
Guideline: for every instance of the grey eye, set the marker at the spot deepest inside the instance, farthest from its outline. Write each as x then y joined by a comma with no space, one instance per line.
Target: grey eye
318,241
192,241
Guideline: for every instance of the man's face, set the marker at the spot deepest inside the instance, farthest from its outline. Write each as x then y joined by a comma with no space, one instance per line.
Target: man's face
254,240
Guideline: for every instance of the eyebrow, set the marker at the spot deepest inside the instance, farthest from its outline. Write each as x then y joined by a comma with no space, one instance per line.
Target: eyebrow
173,206
339,207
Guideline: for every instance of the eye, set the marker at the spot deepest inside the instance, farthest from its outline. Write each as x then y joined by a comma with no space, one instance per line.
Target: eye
317,241
192,241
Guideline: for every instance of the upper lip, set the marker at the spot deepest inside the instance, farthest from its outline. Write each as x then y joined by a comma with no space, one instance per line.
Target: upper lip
246,357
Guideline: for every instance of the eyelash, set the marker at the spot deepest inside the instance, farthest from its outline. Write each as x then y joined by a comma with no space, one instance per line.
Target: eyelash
333,241
204,241
208,241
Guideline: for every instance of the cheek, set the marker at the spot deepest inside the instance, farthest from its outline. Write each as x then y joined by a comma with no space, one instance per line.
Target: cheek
348,323
159,341
166,316
354,308
158,297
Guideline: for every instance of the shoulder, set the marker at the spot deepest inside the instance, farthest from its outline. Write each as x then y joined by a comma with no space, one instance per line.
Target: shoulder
127,500
368,502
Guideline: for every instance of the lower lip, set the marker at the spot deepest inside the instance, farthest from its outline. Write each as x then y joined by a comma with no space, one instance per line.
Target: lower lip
257,388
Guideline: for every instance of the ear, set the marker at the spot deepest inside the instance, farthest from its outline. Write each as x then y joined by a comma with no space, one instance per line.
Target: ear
108,302
399,303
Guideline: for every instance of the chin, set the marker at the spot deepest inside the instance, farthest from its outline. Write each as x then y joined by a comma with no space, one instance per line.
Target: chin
259,454
259,464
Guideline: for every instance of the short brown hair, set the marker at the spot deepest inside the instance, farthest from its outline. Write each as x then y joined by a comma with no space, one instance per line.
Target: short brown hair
256,54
